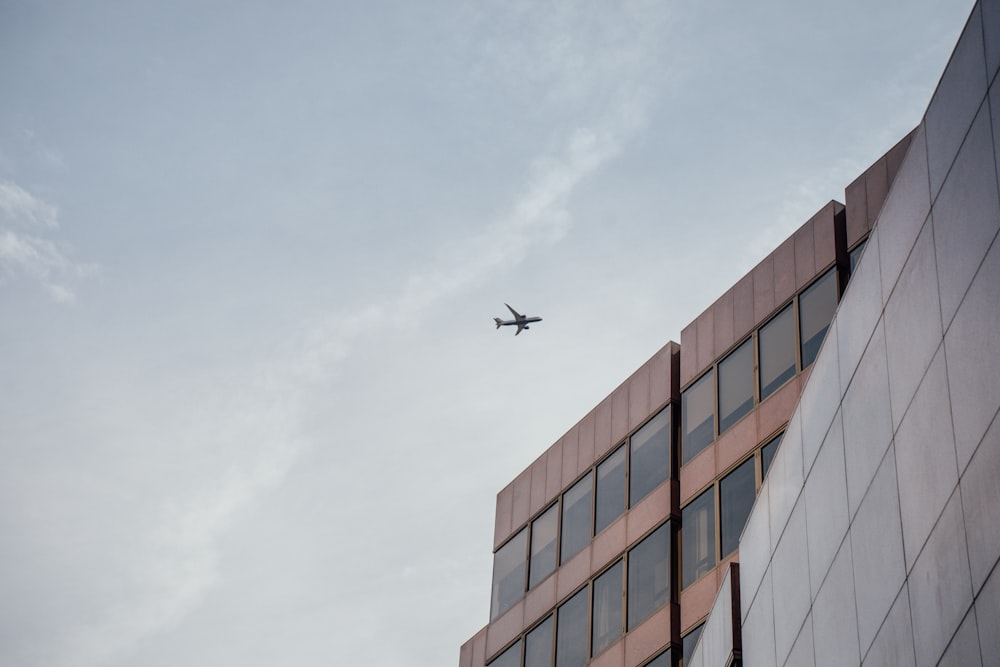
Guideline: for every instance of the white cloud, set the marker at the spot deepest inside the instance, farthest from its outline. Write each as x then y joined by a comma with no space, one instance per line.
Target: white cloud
30,254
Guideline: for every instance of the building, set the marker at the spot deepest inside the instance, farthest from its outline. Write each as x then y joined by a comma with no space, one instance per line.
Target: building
812,476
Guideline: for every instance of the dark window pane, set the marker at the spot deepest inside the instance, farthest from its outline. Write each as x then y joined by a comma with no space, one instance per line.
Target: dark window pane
509,564
571,632
698,537
735,385
690,641
538,645
607,625
662,660
509,658
610,490
650,459
648,575
736,492
767,454
543,545
816,306
856,255
698,416
777,351
576,519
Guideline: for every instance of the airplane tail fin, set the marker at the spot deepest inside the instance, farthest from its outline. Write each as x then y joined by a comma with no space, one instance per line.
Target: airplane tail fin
498,321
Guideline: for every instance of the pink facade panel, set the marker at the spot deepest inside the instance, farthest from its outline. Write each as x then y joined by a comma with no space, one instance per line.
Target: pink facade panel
649,638
697,473
724,324
522,500
540,600
743,306
649,513
805,254
602,428
538,477
696,600
588,430
619,414
706,339
553,471
638,396
500,632
763,288
689,360
823,236
613,656
856,199
735,443
502,522
609,544
773,413
570,450
784,271
659,377
570,575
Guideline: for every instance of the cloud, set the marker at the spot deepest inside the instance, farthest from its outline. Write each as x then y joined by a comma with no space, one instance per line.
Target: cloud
29,253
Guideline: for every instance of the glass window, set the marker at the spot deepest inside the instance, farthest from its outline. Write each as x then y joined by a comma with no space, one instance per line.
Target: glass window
777,351
698,416
698,537
649,464
767,454
735,385
576,519
856,255
509,564
538,645
509,658
571,632
816,306
610,490
690,641
543,545
662,660
649,575
736,493
607,625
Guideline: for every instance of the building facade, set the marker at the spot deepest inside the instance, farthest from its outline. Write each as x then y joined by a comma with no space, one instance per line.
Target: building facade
812,476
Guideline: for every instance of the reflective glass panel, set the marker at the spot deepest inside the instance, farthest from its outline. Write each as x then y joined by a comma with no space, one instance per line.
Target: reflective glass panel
736,493
767,454
662,660
509,563
735,385
610,490
509,658
538,645
777,351
649,464
698,537
698,416
543,545
576,519
571,632
607,621
690,641
649,575
816,306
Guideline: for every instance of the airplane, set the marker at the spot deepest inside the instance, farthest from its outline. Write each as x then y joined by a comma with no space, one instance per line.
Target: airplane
520,320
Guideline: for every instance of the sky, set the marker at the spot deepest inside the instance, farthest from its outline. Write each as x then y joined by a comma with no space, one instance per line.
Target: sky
254,409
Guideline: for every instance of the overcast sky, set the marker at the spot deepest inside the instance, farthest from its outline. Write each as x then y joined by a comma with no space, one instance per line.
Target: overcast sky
254,410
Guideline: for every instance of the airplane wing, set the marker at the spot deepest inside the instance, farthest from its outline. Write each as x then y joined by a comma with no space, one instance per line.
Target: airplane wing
519,326
517,315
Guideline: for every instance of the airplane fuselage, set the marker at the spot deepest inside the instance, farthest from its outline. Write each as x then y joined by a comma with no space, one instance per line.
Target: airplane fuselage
525,321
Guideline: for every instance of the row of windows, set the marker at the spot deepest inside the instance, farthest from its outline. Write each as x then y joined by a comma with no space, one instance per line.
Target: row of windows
614,602
763,362
621,480
733,495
